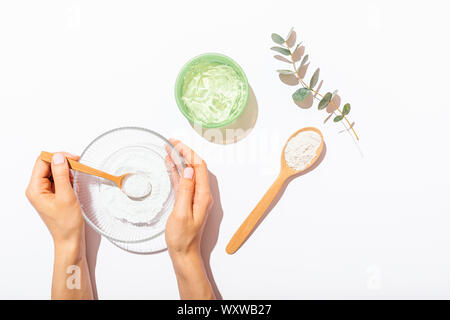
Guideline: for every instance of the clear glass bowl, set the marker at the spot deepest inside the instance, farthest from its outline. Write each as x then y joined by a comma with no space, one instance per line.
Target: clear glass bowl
105,207
218,58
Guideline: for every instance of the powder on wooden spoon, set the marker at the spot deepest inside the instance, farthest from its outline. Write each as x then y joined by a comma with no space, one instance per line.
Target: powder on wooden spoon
136,185
302,149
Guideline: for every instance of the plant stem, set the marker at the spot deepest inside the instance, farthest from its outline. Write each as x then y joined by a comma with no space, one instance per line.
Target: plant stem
318,93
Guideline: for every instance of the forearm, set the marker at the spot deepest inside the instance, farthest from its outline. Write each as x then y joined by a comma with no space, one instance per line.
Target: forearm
71,280
193,283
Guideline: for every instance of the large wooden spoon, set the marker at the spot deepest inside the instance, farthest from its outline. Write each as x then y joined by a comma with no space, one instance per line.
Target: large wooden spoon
120,181
286,172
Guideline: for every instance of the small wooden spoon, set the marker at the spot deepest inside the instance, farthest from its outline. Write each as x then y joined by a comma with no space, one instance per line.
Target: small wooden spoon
286,172
77,166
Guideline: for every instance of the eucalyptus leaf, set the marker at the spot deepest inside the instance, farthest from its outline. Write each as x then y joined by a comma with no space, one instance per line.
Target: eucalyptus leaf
318,88
301,71
277,38
281,50
298,53
346,109
301,94
334,103
290,32
325,101
314,79
285,72
335,93
338,118
304,60
289,79
290,41
281,58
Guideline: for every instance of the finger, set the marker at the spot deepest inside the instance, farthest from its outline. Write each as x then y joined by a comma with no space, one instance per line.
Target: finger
41,169
175,157
39,178
173,172
202,203
201,178
71,156
201,170
187,153
61,175
185,193
202,197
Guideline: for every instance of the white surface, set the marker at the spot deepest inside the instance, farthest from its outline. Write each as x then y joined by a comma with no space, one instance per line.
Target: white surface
356,227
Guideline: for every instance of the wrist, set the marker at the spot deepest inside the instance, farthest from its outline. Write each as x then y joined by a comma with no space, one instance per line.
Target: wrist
183,261
70,241
191,276
185,254
73,250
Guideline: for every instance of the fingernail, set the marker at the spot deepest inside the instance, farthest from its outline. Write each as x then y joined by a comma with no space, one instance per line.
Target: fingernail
188,173
58,158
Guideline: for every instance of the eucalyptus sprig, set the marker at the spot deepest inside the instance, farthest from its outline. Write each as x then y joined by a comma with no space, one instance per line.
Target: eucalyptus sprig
292,53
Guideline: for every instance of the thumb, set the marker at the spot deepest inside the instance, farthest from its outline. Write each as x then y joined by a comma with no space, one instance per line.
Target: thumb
185,193
61,174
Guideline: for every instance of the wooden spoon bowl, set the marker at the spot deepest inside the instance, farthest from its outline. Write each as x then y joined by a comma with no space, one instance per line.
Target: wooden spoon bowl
285,173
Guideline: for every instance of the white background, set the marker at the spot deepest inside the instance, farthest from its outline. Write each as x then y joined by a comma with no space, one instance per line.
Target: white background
368,222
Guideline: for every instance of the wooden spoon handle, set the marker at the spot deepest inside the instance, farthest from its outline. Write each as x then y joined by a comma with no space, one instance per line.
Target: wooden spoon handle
75,165
249,224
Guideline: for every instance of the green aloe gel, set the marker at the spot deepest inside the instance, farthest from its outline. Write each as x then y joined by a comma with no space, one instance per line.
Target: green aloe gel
213,92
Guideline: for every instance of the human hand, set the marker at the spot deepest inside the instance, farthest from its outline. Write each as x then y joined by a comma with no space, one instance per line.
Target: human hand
184,227
51,194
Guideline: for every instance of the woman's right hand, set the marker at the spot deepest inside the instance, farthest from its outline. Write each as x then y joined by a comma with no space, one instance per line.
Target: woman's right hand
184,226
193,198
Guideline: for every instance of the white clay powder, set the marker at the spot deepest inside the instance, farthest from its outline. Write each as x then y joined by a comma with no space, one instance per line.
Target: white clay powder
151,169
137,185
301,149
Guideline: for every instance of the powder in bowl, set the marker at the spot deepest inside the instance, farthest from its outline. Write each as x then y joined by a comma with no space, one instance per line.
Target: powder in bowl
150,166
302,149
